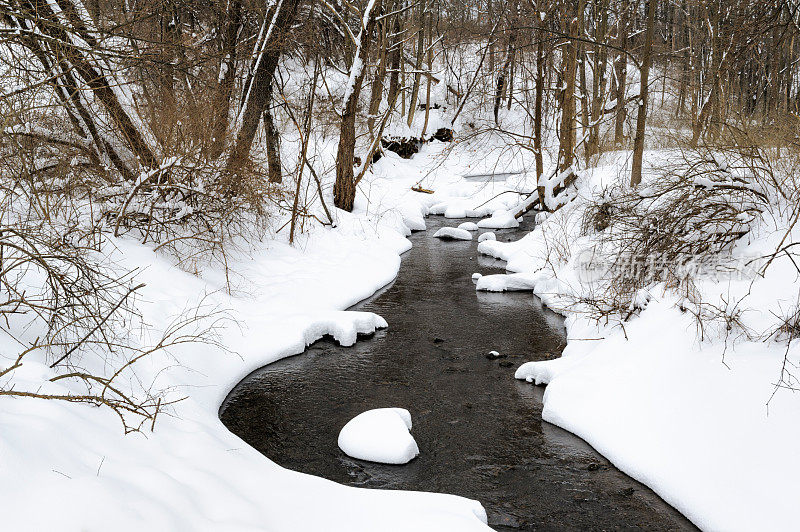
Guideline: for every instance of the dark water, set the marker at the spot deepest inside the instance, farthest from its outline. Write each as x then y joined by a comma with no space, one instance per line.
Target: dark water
479,430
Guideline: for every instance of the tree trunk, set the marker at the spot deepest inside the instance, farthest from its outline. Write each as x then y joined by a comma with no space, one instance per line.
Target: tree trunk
412,107
429,77
395,58
621,69
641,118
504,72
537,121
258,90
272,137
569,52
344,189
378,79
227,77
599,79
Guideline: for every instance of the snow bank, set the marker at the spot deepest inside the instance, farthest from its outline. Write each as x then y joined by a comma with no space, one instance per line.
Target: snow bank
651,396
453,233
380,435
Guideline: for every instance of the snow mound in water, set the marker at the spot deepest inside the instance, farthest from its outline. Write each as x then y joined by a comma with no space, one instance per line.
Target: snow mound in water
469,226
487,236
476,276
503,282
380,435
453,233
500,219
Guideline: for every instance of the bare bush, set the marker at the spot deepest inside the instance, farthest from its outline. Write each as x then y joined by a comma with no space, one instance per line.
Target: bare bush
61,298
665,231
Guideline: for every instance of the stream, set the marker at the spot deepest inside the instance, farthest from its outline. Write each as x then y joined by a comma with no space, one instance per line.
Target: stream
480,431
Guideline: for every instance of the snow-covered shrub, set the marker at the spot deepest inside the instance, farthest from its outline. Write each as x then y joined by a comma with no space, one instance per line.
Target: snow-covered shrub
69,328
683,219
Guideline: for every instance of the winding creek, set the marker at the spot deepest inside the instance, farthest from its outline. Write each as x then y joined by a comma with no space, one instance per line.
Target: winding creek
479,430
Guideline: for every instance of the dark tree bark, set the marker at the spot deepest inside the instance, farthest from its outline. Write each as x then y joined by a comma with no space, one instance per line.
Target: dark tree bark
379,78
230,27
412,107
505,69
541,79
621,71
272,137
258,90
395,58
344,189
566,145
641,118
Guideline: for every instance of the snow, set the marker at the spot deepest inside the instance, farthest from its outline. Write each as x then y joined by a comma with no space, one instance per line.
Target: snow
453,233
500,219
476,276
487,236
468,226
380,435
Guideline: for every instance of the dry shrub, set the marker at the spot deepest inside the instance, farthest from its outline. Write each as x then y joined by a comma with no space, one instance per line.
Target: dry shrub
61,299
667,231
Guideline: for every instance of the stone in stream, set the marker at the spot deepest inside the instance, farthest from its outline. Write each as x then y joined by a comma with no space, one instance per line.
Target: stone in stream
493,355
453,233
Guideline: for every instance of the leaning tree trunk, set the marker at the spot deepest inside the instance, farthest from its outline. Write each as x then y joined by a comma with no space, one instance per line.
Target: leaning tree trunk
88,84
344,189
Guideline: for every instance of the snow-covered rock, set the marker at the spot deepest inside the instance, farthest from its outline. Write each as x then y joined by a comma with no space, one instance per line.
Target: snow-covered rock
476,276
453,233
455,211
489,235
380,435
469,226
500,219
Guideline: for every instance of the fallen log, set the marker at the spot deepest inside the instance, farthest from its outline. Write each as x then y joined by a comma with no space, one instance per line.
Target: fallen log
533,202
